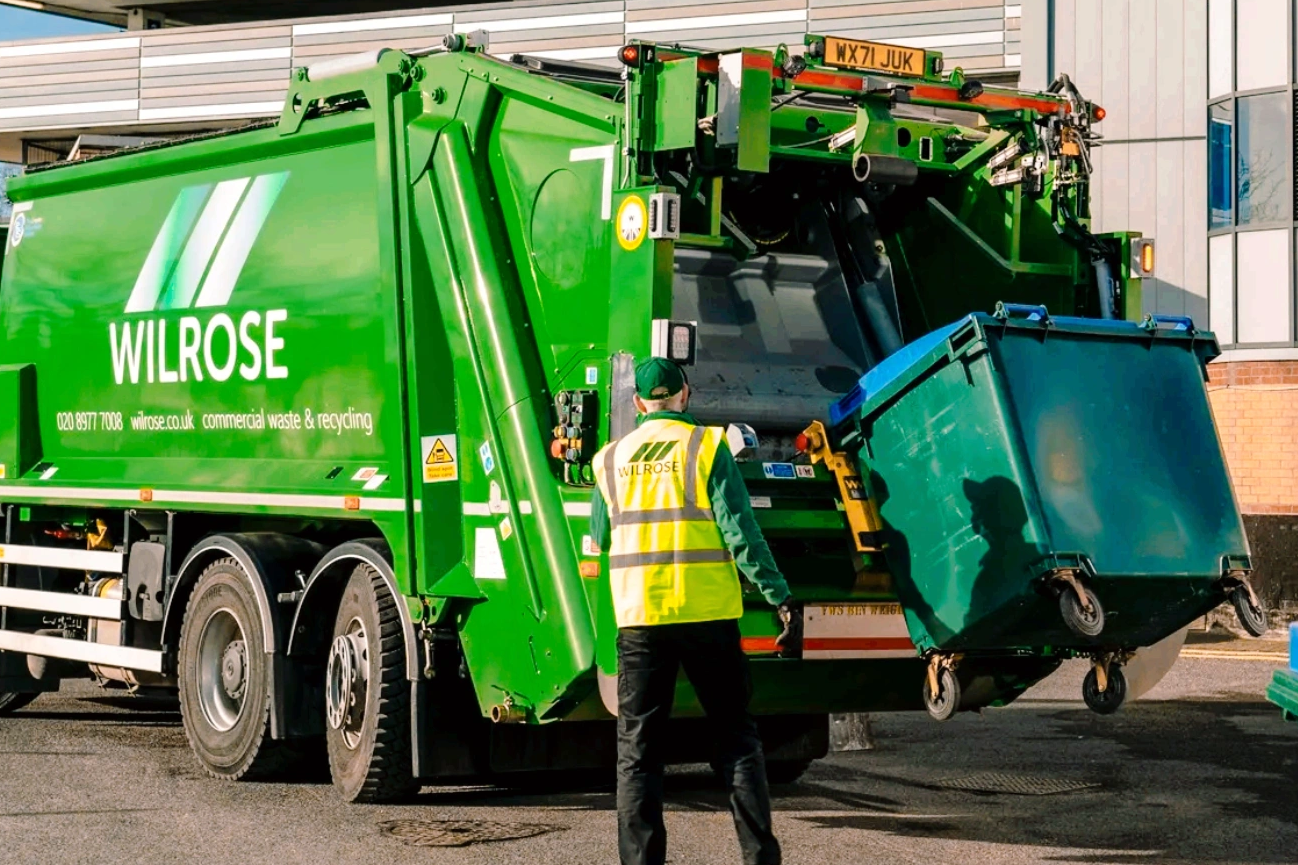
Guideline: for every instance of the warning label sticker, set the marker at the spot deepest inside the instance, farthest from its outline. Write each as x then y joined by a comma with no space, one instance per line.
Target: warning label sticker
438,455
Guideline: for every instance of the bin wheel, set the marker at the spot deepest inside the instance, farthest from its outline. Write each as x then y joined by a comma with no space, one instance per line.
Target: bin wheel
12,701
942,706
1252,617
1109,700
1085,621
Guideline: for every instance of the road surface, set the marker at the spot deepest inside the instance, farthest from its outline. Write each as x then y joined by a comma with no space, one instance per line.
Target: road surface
1201,770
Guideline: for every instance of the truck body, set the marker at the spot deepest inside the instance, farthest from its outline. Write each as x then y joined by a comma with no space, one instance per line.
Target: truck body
298,419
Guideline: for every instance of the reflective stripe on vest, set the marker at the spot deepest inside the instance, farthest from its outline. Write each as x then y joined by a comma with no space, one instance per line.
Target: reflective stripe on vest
668,562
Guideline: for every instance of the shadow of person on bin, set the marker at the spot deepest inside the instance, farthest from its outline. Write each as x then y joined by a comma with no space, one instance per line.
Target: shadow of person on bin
896,551
999,516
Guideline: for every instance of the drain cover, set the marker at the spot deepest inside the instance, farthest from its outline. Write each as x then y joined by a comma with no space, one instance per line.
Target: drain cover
1021,785
460,833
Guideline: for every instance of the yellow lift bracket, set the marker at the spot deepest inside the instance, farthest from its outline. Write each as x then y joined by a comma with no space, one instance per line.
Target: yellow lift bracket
862,512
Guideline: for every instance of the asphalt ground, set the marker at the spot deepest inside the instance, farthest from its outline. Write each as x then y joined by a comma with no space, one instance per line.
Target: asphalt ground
1201,770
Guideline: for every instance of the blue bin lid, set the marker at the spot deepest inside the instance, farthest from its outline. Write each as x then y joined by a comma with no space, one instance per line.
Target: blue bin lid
889,369
901,361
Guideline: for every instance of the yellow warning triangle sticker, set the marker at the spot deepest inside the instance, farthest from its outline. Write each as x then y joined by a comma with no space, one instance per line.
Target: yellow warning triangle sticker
439,454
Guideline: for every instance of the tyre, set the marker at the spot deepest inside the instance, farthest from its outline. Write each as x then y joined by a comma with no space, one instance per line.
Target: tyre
1252,619
1109,700
224,679
782,772
943,705
367,696
1085,621
13,701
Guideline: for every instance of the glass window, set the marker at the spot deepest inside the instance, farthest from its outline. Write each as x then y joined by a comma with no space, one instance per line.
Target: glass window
1221,287
1261,27
1262,178
1221,160
1221,42
1264,306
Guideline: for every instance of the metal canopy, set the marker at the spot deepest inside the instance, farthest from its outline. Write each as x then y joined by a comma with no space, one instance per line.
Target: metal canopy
198,12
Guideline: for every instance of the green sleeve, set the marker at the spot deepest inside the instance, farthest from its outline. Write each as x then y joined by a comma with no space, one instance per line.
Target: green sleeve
734,515
599,525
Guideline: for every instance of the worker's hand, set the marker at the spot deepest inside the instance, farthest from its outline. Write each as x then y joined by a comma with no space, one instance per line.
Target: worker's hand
790,639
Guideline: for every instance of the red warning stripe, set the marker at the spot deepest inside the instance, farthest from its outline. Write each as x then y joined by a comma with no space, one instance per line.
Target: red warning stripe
832,644
851,81
987,99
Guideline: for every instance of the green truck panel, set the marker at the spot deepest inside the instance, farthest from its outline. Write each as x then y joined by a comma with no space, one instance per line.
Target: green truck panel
339,338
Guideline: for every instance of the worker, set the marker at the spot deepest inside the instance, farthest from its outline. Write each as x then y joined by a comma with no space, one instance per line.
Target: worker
672,511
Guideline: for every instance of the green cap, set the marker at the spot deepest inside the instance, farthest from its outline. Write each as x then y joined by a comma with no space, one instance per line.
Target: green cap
658,378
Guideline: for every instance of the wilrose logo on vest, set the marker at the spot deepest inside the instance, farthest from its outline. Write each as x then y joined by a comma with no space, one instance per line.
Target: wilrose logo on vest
651,459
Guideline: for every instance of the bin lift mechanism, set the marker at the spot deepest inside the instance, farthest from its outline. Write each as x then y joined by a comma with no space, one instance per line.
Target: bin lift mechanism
1030,130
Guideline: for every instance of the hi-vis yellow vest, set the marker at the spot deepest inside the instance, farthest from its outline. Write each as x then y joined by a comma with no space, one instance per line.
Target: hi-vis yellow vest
667,561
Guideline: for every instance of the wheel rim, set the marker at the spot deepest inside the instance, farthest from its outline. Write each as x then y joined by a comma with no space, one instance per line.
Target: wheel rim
1088,612
1112,696
222,669
347,683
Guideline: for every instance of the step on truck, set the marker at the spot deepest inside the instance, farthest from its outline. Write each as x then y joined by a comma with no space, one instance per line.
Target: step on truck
297,420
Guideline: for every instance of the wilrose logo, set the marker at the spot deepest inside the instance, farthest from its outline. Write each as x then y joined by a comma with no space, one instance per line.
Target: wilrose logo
195,262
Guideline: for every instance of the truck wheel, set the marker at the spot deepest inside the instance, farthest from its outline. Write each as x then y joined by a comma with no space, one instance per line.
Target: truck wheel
367,697
13,701
224,678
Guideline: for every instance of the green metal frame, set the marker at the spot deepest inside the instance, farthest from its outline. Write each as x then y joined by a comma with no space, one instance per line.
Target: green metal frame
446,252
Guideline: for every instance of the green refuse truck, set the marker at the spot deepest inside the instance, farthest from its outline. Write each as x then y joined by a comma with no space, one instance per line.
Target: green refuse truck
297,420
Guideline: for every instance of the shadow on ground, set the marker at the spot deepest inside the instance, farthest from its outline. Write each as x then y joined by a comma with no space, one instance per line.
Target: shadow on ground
1202,781
1194,782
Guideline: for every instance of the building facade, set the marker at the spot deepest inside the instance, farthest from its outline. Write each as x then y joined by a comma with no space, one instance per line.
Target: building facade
1250,217
1199,139
1198,153
173,79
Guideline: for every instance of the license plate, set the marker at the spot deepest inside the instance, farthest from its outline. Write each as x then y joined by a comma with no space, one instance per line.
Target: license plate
874,56
857,630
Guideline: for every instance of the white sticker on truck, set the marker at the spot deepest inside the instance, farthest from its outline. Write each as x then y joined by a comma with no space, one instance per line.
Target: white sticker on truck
603,153
487,561
855,630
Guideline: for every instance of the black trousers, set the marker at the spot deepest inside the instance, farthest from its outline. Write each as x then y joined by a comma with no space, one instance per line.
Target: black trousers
648,661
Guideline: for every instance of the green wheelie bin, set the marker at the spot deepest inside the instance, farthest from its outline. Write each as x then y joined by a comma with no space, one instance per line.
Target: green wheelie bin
1048,486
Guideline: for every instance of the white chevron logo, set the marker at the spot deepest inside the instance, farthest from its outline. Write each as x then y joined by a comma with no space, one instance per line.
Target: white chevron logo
204,243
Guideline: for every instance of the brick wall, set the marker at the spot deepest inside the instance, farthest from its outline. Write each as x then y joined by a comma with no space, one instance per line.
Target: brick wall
1255,404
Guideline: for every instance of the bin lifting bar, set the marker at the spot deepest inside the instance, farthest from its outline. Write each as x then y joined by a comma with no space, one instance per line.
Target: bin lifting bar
862,513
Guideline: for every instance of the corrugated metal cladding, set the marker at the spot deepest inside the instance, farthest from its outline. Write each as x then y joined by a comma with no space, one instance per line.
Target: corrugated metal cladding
195,74
1151,174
